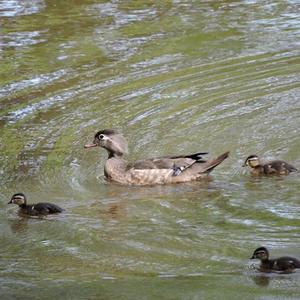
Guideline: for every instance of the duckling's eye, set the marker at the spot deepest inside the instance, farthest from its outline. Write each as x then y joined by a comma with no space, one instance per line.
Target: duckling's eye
101,136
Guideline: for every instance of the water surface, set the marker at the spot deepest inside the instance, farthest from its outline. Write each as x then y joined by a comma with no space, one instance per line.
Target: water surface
175,77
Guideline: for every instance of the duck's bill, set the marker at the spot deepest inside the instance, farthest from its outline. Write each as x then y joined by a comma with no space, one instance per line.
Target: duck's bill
86,146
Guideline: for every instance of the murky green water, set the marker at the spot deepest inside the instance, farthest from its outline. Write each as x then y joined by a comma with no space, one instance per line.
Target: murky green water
175,77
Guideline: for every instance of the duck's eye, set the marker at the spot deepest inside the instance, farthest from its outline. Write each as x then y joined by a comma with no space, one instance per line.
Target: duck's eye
101,136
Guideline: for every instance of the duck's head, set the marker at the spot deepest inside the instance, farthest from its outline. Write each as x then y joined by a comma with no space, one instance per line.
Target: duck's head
252,161
18,199
261,253
111,140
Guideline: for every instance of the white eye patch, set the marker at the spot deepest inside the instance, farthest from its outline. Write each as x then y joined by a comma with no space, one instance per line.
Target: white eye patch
253,160
102,137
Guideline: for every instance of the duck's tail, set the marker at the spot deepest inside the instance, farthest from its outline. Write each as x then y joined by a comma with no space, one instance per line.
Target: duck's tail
211,164
198,168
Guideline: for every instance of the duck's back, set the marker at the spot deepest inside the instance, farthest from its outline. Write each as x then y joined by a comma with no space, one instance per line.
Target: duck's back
284,263
161,170
43,208
278,167
168,162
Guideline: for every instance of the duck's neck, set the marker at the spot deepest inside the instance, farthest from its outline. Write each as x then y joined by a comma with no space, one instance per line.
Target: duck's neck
113,154
265,260
115,167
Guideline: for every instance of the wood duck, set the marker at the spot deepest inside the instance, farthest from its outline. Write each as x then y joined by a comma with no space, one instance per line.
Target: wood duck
43,208
284,263
161,170
275,167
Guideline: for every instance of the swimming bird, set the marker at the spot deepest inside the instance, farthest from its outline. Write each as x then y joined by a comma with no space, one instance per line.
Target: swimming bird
275,167
284,263
43,208
161,170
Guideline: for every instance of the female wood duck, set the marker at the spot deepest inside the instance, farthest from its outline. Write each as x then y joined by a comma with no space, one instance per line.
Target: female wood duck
161,170
34,209
285,263
275,167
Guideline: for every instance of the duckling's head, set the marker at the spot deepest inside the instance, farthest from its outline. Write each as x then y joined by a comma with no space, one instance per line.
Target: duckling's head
18,199
261,253
252,161
111,140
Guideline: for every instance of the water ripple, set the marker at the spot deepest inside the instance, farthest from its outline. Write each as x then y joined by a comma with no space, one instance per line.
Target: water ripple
13,8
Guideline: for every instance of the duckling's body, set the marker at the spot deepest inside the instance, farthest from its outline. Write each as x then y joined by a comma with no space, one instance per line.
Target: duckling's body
275,167
161,170
42,208
283,264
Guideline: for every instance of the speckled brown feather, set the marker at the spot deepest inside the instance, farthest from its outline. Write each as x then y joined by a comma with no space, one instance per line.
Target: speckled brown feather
119,170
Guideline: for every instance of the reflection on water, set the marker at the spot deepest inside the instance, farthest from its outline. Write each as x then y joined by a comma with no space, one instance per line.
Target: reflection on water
20,39
261,280
175,77
275,281
19,224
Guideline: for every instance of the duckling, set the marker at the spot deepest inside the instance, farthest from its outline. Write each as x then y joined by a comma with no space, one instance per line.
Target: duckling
285,263
275,167
160,170
43,208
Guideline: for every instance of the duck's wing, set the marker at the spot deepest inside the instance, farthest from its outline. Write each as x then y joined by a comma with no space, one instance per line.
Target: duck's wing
205,166
278,167
168,162
289,167
195,156
286,263
180,165
47,208
171,170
